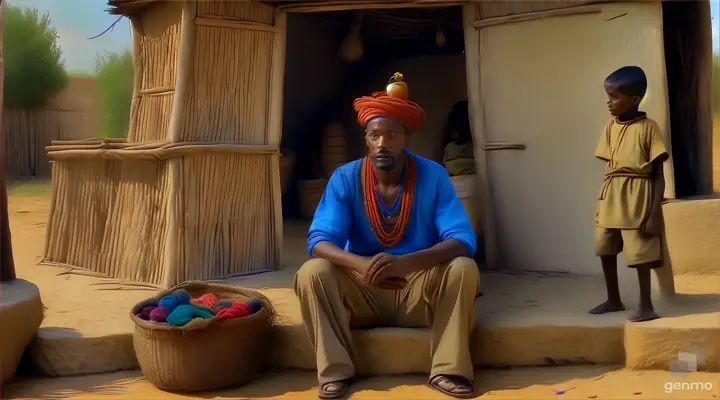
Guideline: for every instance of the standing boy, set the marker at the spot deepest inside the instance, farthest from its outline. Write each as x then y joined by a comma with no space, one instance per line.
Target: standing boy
629,216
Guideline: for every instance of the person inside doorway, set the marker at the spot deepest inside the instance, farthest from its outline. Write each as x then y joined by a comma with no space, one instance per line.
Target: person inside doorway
629,215
458,157
391,246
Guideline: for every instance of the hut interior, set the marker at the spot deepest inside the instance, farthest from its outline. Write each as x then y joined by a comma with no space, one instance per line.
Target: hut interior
325,71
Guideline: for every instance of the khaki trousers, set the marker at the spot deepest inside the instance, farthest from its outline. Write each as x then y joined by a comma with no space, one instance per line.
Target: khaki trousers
334,299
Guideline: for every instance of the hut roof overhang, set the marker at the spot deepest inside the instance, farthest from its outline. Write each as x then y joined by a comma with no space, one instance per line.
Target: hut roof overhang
131,7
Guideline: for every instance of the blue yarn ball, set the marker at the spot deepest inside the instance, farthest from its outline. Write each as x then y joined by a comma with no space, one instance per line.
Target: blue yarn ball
182,296
169,303
255,305
185,313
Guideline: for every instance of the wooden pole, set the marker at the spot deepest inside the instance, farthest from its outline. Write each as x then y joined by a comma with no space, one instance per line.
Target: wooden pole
175,263
136,29
275,118
7,263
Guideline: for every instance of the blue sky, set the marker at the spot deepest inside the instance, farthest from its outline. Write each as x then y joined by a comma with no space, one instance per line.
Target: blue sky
77,20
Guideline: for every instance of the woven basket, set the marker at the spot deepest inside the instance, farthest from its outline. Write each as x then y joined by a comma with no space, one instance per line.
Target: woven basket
205,354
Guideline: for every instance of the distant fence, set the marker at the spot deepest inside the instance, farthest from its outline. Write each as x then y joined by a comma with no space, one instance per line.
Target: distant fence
71,114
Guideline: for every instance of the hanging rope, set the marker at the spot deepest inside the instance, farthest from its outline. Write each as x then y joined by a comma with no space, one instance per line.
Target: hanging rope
108,29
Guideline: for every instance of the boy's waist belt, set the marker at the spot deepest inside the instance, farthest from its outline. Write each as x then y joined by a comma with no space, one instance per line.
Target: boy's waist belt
620,173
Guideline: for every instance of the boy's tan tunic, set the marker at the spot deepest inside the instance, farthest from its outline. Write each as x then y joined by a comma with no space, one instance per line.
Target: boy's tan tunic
625,198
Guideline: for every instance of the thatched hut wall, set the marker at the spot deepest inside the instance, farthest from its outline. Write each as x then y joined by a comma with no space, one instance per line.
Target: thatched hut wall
108,215
232,220
156,37
230,80
194,193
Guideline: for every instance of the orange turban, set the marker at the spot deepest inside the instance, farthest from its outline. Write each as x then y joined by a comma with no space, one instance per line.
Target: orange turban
381,104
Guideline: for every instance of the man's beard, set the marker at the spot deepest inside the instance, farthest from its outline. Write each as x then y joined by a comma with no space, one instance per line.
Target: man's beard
384,160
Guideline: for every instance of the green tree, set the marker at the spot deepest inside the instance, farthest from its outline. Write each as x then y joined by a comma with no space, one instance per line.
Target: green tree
34,68
114,73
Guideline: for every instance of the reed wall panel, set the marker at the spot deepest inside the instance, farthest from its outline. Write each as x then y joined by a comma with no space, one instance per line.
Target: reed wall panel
108,216
229,92
250,11
160,28
153,116
229,219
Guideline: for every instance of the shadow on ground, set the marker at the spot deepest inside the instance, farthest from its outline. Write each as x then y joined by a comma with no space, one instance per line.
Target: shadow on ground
299,384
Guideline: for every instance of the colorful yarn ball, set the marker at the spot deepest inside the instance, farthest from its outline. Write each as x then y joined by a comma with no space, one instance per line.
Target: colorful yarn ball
145,312
151,302
169,303
208,300
255,305
222,304
185,313
181,296
159,314
237,310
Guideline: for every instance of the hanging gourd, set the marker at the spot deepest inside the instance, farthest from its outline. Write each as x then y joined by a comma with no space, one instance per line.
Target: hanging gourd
352,48
397,88
440,37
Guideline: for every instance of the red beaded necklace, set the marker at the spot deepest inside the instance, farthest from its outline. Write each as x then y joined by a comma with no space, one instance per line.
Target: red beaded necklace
372,208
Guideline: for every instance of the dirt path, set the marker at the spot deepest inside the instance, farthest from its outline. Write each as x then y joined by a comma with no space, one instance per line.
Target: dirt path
28,206
578,382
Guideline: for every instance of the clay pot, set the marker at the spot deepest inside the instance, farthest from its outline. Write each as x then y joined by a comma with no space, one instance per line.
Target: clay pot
397,88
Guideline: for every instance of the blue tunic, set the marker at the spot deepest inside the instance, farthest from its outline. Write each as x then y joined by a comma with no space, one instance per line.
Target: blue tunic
436,216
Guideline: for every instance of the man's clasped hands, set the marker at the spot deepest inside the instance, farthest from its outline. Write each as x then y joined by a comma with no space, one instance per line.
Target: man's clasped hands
386,271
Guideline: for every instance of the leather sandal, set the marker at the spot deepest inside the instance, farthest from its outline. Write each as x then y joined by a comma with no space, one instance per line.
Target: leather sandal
343,387
457,382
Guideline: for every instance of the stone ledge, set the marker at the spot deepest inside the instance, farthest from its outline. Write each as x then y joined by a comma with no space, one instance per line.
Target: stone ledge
652,345
21,313
523,319
692,234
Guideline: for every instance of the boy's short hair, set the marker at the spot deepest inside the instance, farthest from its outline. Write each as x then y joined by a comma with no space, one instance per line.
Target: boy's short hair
629,80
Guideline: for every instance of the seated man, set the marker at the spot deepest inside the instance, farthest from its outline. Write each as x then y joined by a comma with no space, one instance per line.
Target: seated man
391,244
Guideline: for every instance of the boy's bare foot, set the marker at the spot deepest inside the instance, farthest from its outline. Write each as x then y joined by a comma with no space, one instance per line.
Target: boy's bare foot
642,315
608,306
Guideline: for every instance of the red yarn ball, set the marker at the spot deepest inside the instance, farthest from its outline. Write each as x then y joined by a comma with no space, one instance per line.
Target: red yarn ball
237,310
208,300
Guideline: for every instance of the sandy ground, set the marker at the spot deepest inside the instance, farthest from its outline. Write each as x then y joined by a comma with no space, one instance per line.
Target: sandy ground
579,382
28,207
